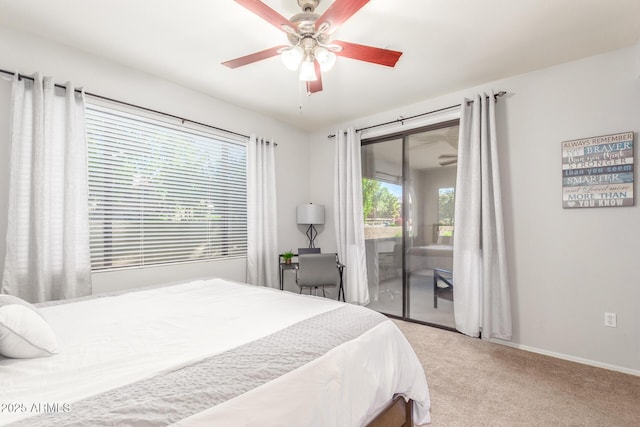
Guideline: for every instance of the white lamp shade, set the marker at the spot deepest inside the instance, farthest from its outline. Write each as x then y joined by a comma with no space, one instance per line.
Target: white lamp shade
310,214
292,57
308,71
325,58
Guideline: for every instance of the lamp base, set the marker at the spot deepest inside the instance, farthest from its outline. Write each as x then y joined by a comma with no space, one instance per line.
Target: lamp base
311,234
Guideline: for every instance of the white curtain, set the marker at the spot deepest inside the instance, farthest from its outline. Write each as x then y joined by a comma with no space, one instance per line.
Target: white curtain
349,216
481,291
262,220
47,254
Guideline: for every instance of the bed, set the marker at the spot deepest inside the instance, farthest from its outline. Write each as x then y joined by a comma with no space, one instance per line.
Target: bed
429,257
437,255
215,352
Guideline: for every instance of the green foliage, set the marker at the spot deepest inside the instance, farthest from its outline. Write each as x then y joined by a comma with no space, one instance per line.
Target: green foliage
446,206
287,255
378,201
369,188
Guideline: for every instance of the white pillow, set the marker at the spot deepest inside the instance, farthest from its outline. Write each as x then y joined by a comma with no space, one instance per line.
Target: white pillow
24,333
10,299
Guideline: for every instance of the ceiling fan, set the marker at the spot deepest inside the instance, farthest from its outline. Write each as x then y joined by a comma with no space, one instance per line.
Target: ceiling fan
310,50
447,159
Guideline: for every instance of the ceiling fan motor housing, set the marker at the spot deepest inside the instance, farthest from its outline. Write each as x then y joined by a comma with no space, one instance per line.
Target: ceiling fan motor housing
305,23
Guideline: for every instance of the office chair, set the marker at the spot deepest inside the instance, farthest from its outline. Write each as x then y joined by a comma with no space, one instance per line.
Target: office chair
391,262
308,251
317,270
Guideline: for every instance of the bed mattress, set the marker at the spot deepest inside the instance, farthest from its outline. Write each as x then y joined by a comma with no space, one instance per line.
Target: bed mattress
213,352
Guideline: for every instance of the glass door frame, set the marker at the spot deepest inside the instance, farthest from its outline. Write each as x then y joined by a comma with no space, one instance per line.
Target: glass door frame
404,137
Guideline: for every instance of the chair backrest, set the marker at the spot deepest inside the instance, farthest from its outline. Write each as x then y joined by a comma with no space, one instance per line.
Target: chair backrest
317,270
308,251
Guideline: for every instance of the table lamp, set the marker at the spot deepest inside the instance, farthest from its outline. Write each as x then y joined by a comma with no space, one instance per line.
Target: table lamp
310,214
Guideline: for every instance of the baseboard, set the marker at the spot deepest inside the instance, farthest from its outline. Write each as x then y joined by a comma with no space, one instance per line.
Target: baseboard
569,358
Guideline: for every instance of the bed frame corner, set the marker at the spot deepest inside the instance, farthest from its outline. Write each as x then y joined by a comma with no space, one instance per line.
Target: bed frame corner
398,413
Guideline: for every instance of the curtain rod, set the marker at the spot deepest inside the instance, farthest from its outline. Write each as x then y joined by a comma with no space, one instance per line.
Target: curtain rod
105,98
402,119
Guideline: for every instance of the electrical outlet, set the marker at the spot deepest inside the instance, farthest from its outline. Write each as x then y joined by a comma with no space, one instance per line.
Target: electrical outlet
610,320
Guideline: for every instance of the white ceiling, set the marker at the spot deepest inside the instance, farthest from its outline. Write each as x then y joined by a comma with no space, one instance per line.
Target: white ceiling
448,45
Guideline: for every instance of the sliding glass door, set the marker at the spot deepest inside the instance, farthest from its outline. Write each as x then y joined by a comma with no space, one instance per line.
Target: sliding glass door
408,198
382,205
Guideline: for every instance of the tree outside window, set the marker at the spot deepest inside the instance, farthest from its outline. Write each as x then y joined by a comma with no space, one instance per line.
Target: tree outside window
381,208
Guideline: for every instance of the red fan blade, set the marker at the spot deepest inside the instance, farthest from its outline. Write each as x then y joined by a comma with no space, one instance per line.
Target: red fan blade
254,57
266,13
368,53
340,11
315,86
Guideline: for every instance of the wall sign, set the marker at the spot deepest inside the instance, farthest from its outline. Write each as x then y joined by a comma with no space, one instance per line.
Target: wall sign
598,171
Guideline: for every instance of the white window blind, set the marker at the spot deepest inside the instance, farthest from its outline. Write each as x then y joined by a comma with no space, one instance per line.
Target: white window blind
161,194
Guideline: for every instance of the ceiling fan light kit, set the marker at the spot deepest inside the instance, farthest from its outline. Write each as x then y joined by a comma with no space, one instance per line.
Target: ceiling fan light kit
304,52
308,71
325,58
309,51
291,57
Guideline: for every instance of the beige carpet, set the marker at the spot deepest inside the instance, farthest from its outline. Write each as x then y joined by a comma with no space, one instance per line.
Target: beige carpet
476,383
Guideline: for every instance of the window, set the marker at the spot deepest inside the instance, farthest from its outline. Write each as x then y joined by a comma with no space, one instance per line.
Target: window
446,211
161,193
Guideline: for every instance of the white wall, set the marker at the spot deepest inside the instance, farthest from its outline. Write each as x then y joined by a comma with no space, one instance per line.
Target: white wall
29,54
567,267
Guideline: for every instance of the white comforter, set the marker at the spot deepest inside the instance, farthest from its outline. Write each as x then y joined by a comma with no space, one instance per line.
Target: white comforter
105,345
